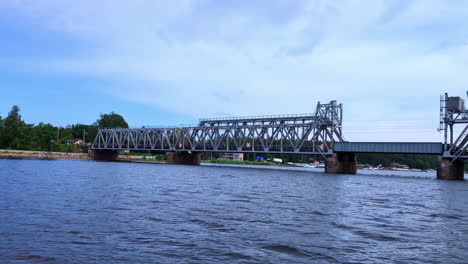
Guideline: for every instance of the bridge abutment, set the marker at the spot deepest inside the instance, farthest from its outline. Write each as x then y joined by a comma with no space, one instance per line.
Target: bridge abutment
108,155
449,170
183,157
342,163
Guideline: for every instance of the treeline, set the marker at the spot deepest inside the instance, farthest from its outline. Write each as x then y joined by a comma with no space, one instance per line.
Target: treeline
17,134
422,162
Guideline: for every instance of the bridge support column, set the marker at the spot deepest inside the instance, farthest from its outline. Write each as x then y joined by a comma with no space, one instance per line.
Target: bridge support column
183,157
108,155
343,163
448,170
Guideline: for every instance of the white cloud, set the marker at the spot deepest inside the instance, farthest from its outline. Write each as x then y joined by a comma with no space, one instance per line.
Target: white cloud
203,57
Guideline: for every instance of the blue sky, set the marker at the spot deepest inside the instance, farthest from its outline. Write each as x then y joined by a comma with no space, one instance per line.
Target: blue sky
172,62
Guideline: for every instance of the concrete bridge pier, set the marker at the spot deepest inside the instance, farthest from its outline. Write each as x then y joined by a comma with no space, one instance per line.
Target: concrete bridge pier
449,170
342,163
183,157
105,154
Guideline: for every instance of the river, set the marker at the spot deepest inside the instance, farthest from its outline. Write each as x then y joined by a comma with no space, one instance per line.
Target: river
78,211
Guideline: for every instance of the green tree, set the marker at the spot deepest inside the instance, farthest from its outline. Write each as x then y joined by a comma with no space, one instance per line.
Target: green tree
91,133
90,130
26,138
11,127
111,120
42,136
1,132
66,135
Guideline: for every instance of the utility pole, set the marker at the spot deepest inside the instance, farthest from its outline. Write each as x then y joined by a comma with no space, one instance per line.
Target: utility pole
84,136
58,132
52,145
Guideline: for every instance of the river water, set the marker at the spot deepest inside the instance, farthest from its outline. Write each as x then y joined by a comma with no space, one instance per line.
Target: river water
75,211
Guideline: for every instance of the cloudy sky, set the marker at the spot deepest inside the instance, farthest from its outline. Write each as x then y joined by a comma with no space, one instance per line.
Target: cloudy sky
172,62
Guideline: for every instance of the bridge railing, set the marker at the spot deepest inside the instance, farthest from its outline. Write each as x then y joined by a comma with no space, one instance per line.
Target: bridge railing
261,117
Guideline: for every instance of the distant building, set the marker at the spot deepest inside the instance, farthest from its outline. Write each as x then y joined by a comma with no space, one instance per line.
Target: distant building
232,156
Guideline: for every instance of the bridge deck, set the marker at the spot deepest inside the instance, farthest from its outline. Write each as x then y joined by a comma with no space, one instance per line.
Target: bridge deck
390,147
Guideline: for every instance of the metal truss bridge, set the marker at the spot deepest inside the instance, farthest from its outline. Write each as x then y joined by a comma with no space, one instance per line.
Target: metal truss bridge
317,133
290,134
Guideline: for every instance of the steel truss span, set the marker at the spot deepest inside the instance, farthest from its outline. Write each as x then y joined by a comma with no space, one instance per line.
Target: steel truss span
296,134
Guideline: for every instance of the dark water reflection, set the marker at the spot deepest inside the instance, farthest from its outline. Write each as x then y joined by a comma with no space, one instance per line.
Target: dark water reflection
72,211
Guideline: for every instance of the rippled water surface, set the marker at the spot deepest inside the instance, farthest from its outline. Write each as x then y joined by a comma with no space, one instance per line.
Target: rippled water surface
72,211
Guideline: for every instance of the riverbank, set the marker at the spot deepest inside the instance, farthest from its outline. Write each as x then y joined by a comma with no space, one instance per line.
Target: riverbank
19,154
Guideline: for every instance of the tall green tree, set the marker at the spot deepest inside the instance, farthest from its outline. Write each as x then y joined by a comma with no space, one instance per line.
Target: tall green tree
11,127
111,120
26,139
89,130
1,132
43,135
